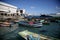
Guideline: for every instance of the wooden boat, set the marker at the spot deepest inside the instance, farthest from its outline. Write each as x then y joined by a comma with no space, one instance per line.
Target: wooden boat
31,36
1,23
24,23
6,24
16,21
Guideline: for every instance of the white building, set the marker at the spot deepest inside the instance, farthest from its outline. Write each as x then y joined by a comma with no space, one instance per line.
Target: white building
23,11
56,15
7,8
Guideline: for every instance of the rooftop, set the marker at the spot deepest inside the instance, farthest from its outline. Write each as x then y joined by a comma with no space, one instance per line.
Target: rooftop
6,4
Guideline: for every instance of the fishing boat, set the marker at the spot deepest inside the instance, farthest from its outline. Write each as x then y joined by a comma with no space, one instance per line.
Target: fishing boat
30,24
27,35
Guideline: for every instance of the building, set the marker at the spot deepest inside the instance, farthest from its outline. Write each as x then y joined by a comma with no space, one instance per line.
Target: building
55,15
7,10
58,13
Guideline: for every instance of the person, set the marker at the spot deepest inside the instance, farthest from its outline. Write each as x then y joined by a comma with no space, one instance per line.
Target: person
31,37
36,37
31,22
27,37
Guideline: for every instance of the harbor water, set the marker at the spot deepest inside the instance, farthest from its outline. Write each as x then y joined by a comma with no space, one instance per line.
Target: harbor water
51,30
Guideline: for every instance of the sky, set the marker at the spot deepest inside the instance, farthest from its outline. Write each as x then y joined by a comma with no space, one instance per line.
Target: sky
36,7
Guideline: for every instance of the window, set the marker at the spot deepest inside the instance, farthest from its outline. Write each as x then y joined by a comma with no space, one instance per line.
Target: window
13,14
1,13
8,15
5,14
17,13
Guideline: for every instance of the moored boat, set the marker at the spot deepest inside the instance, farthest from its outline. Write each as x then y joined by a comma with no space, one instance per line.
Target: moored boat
15,21
30,24
45,22
31,36
6,24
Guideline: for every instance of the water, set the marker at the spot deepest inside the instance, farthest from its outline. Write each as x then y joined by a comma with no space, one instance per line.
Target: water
52,30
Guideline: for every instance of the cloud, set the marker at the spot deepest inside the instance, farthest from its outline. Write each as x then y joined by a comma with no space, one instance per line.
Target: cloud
57,7
32,7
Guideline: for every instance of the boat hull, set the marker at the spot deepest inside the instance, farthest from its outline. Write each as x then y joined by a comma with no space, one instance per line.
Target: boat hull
30,26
